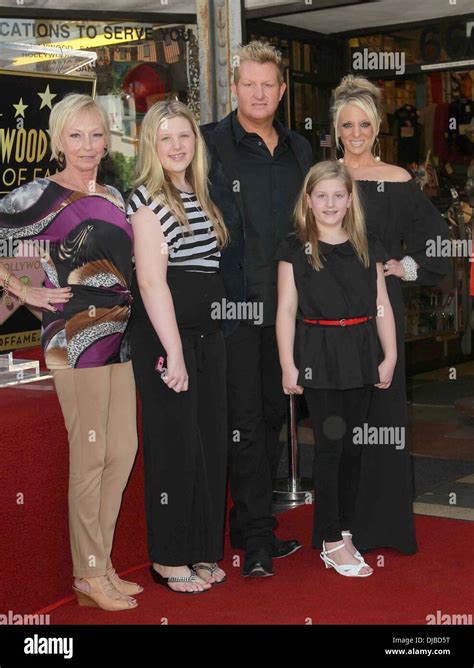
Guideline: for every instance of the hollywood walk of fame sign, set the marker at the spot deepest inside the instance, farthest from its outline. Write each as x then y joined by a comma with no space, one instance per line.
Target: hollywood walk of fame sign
26,101
30,272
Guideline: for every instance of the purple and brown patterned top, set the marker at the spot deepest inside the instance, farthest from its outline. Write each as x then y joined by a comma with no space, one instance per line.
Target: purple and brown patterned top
90,250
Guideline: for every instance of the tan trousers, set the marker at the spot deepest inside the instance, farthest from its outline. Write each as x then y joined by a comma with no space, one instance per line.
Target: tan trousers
99,409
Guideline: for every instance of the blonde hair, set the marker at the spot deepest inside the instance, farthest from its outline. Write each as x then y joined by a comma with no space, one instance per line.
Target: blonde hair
259,52
150,172
360,92
353,223
69,107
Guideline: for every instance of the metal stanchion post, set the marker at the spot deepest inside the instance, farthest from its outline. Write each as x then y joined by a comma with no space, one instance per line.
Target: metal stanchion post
294,490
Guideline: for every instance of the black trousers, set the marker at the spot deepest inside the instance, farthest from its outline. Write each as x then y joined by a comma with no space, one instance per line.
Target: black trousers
334,415
184,434
256,412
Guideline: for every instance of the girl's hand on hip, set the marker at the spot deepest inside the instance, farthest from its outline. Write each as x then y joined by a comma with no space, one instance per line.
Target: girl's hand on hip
290,381
386,369
176,377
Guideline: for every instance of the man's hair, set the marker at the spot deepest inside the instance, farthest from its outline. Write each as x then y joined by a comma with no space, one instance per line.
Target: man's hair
259,52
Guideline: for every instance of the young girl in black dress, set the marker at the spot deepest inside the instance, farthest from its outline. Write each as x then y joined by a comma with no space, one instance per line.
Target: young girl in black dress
332,302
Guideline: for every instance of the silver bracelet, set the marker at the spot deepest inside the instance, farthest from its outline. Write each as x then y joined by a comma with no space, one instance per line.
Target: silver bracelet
410,267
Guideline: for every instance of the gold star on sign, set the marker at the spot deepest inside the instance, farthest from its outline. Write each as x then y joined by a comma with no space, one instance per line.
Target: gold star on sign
46,98
20,108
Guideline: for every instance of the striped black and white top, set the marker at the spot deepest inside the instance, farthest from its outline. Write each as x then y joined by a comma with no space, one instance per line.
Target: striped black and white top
196,251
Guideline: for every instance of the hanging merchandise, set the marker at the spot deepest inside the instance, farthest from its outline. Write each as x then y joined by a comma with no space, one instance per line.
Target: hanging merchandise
461,111
440,136
147,52
407,131
436,87
430,183
171,50
426,117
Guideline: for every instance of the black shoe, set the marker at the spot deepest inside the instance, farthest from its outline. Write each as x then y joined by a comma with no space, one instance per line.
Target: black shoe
283,548
258,564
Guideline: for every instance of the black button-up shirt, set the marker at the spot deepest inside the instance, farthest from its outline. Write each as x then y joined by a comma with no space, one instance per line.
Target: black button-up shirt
269,186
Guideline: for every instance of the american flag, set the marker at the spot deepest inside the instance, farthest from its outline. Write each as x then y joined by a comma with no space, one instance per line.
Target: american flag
147,52
325,139
171,50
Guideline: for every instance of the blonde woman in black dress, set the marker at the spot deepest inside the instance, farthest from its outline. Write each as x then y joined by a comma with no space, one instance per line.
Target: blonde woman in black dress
403,219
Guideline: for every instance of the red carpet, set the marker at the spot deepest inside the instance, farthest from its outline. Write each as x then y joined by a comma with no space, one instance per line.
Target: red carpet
35,563
402,591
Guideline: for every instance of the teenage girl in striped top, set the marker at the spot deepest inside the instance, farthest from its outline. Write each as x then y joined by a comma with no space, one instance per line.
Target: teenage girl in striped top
178,235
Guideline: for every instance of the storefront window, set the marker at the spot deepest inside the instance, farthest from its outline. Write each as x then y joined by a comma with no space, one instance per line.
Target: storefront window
134,65
438,44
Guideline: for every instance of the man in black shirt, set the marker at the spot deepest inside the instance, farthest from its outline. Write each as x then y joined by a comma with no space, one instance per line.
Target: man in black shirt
257,170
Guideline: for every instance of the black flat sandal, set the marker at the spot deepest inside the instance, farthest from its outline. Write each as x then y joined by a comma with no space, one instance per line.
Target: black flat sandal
160,580
211,569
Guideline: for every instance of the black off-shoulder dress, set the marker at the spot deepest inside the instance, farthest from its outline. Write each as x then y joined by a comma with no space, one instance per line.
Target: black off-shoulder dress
404,219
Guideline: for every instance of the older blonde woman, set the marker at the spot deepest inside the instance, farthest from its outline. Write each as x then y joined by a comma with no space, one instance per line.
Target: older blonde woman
178,236
90,253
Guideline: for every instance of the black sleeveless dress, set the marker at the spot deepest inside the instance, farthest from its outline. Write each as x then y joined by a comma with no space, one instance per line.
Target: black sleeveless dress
404,219
338,358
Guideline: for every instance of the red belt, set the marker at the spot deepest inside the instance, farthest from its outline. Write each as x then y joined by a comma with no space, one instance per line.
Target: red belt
339,323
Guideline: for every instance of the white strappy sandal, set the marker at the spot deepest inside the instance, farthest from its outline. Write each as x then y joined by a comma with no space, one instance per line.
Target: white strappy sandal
349,570
357,554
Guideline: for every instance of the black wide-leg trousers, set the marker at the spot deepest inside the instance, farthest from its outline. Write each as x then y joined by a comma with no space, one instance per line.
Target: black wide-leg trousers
184,434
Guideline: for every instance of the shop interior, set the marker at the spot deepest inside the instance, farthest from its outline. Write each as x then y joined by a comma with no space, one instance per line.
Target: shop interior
428,128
